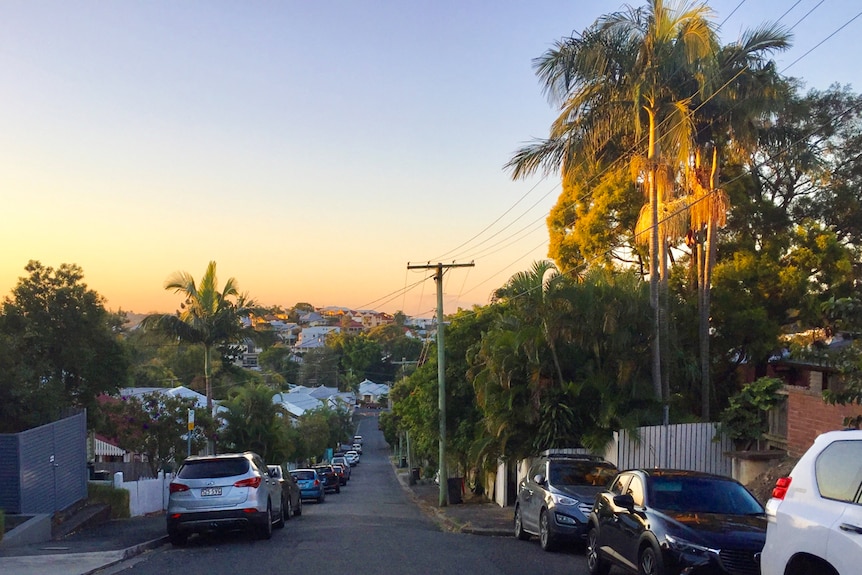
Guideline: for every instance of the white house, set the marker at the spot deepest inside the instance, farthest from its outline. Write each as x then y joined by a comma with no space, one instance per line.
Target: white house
314,337
370,392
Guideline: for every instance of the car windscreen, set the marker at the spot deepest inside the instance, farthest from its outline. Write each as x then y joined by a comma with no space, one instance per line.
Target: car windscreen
302,475
701,495
213,468
582,473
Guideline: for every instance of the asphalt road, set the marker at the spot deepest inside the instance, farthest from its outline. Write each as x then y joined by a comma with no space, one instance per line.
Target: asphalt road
371,528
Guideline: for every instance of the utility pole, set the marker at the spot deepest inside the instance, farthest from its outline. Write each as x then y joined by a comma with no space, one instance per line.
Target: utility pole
441,373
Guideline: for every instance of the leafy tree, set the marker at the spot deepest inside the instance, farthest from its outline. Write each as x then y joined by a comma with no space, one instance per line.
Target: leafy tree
254,423
319,367
156,425
278,359
323,428
208,317
61,347
360,357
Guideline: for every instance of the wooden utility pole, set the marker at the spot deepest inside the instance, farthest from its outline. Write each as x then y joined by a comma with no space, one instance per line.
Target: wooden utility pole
441,372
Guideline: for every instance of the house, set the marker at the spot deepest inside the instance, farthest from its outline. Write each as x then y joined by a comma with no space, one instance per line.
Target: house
301,399
804,414
371,393
314,337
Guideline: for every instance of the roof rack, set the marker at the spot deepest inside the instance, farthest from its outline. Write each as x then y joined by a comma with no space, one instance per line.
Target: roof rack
573,453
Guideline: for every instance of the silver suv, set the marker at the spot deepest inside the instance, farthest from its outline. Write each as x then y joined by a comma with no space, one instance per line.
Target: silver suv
815,514
556,497
224,492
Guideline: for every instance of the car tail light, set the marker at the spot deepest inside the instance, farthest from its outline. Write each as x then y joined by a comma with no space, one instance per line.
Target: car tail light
316,482
781,486
250,482
177,487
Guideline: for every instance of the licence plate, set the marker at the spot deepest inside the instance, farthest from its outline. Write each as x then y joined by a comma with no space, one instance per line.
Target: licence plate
210,491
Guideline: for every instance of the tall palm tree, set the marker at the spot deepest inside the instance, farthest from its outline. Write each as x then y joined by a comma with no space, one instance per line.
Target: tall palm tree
207,316
747,88
622,80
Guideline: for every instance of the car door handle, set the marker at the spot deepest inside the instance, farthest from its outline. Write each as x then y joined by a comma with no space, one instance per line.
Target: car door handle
850,527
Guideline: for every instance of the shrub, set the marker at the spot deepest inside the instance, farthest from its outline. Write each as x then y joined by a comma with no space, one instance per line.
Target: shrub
118,499
745,420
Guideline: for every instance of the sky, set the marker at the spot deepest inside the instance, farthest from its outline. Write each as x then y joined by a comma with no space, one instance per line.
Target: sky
313,150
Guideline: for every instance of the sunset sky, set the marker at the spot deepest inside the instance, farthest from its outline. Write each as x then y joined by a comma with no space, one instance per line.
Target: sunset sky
312,149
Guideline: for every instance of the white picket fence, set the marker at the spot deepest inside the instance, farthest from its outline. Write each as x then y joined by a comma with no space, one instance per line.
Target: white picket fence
145,495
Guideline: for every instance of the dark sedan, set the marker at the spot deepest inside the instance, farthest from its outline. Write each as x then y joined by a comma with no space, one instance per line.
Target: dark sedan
657,522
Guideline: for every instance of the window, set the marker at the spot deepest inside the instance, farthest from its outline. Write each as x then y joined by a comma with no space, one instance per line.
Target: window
620,484
636,490
213,468
839,471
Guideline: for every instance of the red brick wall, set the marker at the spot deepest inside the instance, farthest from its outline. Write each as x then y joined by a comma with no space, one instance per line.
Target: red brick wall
808,416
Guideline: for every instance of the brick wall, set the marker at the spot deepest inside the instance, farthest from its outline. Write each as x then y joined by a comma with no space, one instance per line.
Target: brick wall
808,416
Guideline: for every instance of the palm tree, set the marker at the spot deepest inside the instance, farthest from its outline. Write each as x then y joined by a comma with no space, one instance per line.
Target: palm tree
206,317
629,69
748,88
533,294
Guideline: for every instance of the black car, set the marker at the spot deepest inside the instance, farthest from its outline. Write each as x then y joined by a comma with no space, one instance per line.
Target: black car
656,522
331,480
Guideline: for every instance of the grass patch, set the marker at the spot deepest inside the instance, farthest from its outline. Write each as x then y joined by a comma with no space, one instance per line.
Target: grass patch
118,499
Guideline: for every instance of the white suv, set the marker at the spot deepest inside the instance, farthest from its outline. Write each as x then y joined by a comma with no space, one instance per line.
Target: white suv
815,514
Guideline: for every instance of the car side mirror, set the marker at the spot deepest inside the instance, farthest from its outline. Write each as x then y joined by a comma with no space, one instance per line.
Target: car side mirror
626,501
539,479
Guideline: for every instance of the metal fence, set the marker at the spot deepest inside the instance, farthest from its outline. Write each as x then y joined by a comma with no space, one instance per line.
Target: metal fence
692,446
44,469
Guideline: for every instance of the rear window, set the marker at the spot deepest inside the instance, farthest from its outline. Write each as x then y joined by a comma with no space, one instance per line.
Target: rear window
213,468
582,473
302,475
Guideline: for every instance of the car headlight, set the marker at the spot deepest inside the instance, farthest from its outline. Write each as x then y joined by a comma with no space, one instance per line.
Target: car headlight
687,547
563,500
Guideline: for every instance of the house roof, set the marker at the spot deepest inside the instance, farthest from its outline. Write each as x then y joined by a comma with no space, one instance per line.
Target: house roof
368,387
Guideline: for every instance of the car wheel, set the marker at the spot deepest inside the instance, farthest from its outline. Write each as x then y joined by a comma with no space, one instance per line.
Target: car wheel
546,538
649,562
322,497
288,511
298,510
595,563
519,526
178,539
265,529
279,523
338,488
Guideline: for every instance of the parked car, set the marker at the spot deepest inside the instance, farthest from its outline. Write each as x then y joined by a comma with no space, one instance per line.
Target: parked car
289,490
339,471
659,522
555,499
357,439
223,492
815,515
330,479
352,457
310,484
342,461
357,447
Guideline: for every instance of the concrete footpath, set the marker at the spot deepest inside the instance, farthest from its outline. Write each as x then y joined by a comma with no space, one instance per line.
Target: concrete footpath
90,550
